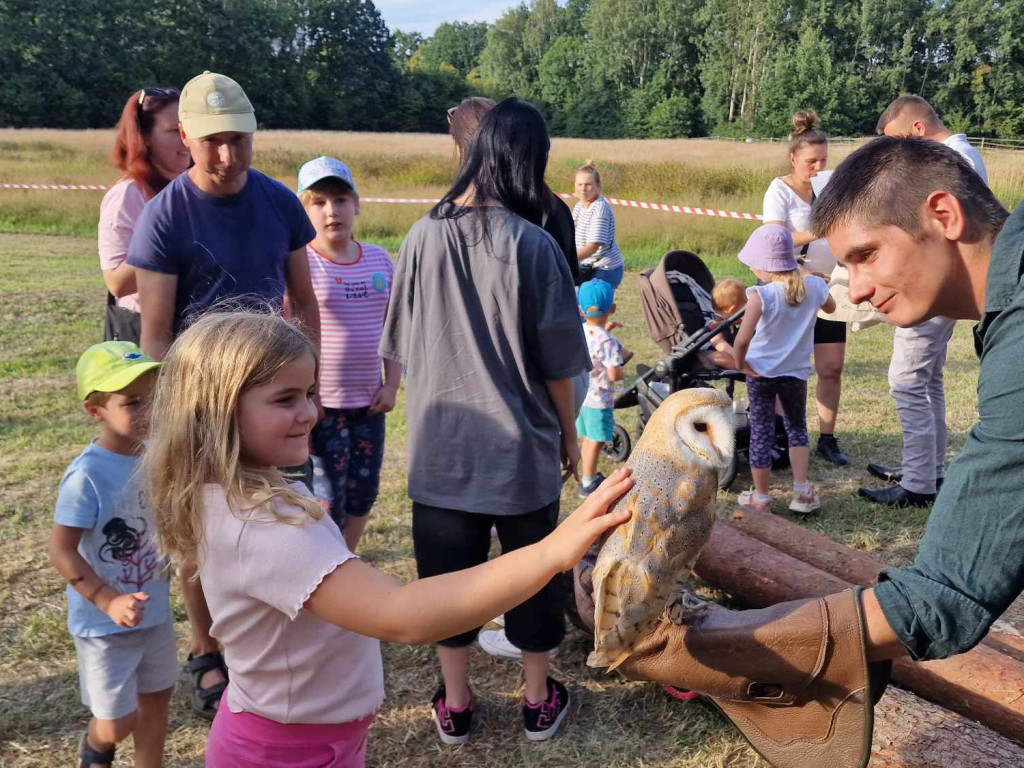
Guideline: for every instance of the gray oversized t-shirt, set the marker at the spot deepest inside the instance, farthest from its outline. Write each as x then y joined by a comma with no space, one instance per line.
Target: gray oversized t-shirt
481,324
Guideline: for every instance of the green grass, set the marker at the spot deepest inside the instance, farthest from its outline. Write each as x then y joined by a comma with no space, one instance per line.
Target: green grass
52,310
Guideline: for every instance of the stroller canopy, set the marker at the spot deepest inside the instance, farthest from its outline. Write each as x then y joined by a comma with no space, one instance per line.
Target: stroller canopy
676,297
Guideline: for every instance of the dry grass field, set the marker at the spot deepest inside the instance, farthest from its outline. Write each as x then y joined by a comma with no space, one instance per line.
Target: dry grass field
52,309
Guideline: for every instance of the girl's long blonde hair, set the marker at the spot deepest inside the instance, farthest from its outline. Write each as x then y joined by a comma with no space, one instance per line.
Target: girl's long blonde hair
195,438
796,288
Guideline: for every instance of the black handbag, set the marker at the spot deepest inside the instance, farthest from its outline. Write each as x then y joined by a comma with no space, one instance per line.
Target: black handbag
121,324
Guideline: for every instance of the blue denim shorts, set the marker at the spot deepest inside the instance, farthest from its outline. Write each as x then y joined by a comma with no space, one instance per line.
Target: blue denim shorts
611,276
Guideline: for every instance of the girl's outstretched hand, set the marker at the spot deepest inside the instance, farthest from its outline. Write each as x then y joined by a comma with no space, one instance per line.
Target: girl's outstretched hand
570,540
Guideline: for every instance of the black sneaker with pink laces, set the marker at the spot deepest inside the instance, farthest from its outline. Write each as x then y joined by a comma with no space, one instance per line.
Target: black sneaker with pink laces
543,718
452,724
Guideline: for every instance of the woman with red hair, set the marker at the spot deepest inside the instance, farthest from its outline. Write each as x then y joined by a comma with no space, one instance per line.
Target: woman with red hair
149,152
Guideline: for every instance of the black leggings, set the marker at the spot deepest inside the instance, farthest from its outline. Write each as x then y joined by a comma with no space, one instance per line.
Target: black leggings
447,540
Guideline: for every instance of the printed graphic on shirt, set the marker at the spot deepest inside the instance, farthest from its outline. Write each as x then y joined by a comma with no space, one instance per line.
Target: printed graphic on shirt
127,544
605,353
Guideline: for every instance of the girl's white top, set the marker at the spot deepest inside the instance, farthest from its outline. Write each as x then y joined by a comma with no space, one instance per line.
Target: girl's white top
784,338
286,664
781,203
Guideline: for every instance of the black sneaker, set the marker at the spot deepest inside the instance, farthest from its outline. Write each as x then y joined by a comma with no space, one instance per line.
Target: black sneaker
829,450
453,725
588,488
542,719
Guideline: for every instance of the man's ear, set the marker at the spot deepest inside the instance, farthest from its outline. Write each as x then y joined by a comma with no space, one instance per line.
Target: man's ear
943,213
181,133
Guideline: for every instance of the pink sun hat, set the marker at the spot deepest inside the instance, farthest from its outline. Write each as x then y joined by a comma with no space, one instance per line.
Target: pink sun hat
769,248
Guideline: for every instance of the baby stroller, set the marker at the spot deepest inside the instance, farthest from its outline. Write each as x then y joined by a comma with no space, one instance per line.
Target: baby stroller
676,300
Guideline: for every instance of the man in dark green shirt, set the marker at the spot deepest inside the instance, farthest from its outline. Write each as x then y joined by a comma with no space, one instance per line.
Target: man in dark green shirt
922,236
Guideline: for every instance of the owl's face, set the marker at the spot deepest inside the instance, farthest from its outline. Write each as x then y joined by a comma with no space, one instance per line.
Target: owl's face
705,433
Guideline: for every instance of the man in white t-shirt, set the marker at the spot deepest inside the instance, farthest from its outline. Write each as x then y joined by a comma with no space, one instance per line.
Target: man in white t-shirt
919,353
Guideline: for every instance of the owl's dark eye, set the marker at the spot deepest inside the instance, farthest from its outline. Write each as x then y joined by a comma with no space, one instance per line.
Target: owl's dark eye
700,426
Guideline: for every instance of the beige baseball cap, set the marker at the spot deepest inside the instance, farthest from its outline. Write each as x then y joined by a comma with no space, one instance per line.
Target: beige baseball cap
212,103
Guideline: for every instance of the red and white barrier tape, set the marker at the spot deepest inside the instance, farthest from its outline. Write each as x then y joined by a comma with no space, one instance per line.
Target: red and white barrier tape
693,210
86,187
666,207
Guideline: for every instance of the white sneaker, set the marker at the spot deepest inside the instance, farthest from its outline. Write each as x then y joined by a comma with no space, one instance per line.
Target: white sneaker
805,503
495,642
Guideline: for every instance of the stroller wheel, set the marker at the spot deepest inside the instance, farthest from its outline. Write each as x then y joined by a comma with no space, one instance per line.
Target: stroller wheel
618,448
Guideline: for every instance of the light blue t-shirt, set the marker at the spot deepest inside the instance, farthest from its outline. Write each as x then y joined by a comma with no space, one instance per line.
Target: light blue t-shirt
784,338
101,493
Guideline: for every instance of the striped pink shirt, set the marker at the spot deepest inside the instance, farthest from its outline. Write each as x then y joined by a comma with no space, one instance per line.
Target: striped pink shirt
353,301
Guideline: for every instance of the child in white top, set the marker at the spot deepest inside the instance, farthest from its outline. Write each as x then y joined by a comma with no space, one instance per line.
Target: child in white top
298,614
595,423
775,341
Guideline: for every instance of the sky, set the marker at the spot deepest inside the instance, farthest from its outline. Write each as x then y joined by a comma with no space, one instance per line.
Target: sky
423,16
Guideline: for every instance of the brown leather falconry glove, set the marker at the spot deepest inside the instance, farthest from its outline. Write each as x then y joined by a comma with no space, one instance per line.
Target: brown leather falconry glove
793,677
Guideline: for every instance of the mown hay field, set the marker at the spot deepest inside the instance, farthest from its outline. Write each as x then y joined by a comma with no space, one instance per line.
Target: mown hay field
52,310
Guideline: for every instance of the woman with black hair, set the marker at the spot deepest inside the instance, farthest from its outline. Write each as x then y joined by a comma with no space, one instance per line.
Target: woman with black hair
483,317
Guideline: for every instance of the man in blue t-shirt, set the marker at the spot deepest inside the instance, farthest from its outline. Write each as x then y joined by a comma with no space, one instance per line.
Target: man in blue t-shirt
220,234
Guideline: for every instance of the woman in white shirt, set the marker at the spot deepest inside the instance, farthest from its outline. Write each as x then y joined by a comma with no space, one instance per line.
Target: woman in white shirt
788,202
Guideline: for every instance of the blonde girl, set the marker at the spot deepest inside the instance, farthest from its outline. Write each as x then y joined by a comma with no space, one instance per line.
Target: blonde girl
298,614
775,341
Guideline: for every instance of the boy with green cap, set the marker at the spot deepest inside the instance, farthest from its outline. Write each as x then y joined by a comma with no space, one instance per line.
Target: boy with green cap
103,544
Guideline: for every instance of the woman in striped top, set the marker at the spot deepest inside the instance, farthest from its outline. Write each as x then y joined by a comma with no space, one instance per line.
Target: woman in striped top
352,283
595,228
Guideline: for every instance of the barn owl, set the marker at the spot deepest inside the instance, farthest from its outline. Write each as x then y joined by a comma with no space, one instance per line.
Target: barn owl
643,563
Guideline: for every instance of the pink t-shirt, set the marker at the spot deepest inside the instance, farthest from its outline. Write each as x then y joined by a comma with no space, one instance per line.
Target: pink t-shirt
286,664
353,301
119,211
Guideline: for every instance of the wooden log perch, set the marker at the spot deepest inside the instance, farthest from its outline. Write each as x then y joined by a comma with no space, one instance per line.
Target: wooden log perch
913,733
844,562
982,684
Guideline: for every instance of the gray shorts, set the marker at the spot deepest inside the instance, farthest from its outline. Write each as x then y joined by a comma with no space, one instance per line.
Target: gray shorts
114,669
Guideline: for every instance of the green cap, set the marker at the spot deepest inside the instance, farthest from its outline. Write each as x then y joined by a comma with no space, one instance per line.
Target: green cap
212,103
110,367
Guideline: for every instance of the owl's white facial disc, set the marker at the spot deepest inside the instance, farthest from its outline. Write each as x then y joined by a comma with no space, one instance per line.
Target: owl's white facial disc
706,435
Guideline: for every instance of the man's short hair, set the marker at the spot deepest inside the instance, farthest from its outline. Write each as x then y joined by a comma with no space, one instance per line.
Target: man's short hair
329,187
907,103
886,182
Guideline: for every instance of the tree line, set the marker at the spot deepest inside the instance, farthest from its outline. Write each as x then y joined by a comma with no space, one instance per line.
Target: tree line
597,68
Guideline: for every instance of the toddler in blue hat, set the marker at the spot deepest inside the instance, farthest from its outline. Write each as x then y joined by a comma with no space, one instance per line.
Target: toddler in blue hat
595,422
